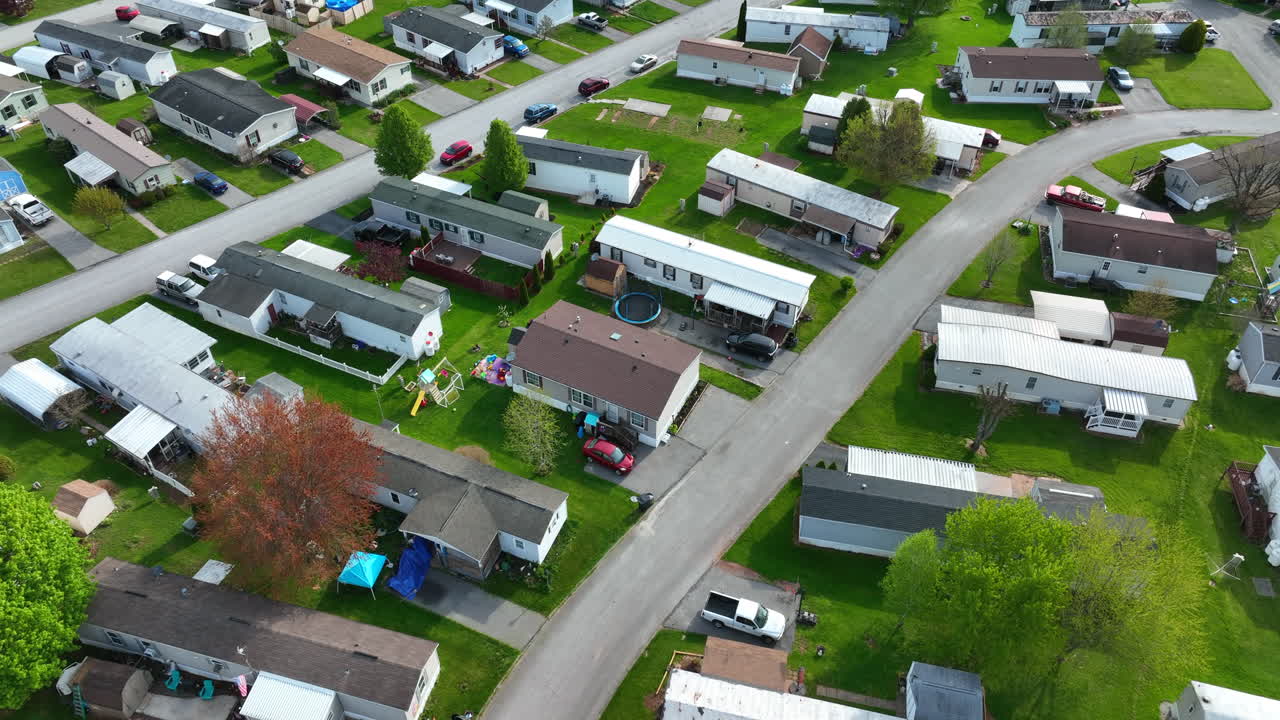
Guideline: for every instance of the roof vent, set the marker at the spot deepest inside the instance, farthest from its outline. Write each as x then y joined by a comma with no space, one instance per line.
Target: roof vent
364,655
864,486
235,619
135,593
615,336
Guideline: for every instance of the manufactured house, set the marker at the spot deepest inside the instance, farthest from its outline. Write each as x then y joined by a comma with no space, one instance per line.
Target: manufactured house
1136,254
1201,701
957,146
813,49
700,696
576,360
1020,7
1117,391
217,29
316,664
494,230
728,62
225,111
942,693
1259,356
1062,78
1104,26
258,287
444,41
525,16
1199,180
106,48
365,72
735,290
104,154
34,389
1265,476
20,102
864,33
582,171
469,511
834,213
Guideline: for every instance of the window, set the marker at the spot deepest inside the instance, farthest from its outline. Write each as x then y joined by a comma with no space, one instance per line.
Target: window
29,101
1043,86
1020,86
85,54
253,138
380,85
352,84
7,111
638,421
115,638
997,86
410,38
1106,265
1276,376
650,262
1142,270
782,307
202,129
529,18
435,224
219,312
668,272
714,65
304,64
185,119
514,15
519,544
476,237
405,70
1114,31
786,29
151,182
975,371
413,217
395,498
577,397
1168,403
533,379
450,228
1031,383
695,280
65,48
615,254
533,169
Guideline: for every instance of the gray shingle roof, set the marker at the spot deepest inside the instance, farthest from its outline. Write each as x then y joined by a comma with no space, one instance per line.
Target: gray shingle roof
619,162
943,693
490,219
443,27
331,652
353,296
235,294
222,102
879,502
1148,242
521,202
104,40
531,5
1207,167
91,134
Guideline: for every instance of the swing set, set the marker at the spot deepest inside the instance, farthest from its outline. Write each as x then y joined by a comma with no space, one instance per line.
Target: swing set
442,383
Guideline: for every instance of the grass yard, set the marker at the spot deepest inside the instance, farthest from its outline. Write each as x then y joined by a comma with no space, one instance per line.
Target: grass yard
990,159
652,11
357,124
514,72
1120,167
29,266
333,242
574,35
1073,180
187,206
732,383
643,678
1012,283
1108,95
491,268
316,154
551,50
478,89
628,24
1211,78
355,208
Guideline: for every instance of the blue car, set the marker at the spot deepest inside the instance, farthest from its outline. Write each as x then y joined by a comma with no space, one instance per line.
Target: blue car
214,184
539,112
515,45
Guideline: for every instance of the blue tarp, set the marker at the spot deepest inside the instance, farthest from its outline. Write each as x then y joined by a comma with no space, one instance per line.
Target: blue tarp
414,562
363,569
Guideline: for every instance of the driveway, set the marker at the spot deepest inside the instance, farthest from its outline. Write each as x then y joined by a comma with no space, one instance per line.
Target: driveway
442,101
736,581
715,414
1245,35
234,197
331,223
466,604
615,34
345,146
672,5
541,63
711,338
72,244
1144,97
827,258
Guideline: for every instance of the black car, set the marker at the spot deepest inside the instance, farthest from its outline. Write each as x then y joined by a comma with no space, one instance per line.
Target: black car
760,346
287,160
539,112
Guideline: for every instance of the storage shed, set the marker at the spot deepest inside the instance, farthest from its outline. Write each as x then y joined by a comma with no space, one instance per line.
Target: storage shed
715,198
82,505
429,291
33,389
822,139
607,277
1201,701
136,129
111,690
941,693
1081,319
115,85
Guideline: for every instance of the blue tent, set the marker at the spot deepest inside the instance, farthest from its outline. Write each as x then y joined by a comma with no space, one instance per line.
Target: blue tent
414,563
363,569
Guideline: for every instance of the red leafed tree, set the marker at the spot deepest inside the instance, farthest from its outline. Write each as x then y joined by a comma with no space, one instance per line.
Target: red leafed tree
284,487
381,261
17,8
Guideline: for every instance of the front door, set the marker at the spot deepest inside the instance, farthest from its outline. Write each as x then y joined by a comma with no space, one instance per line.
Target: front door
611,412
1105,269
271,310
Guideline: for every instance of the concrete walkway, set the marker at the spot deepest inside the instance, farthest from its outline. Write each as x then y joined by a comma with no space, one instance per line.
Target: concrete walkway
466,604
332,223
542,63
234,197
72,244
1144,97
1103,182
827,258
441,100
615,34
345,146
145,222
672,5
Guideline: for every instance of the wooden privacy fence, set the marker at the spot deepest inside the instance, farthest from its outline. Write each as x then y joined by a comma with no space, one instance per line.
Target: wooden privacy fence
422,261
379,379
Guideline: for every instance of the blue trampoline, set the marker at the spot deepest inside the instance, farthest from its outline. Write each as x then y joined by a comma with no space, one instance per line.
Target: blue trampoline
341,5
637,308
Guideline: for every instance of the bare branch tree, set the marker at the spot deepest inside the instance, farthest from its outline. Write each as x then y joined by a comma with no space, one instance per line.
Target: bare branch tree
996,405
1254,174
1155,301
66,408
997,254
545,26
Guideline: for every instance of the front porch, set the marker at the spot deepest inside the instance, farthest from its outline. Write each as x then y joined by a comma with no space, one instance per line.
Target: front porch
1069,95
154,445
1255,516
1117,412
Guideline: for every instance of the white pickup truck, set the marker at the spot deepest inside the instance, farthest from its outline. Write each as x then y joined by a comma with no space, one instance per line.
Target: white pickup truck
747,616
592,20
178,287
27,207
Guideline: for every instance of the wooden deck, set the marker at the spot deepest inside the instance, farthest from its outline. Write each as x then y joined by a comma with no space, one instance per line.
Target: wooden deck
1255,517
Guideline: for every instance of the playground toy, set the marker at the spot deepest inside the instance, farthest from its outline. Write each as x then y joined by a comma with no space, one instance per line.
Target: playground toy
417,403
443,383
493,370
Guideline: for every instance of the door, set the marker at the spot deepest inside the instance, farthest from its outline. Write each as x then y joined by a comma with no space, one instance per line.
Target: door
759,76
1106,268
271,310
611,412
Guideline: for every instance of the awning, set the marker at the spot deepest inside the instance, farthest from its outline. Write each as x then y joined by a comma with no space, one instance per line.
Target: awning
828,220
914,96
741,300
437,51
316,255
1124,401
1071,87
452,187
303,108
211,29
478,19
89,168
501,6
331,76
140,431
153,25
277,698
8,70
948,150
34,386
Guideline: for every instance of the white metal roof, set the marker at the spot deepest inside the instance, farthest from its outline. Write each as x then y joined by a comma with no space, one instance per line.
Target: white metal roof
912,468
34,54
277,698
443,183
530,131
713,262
437,51
1221,703
332,76
1072,87
8,70
1125,401
1182,152
140,431
89,168
151,24
203,12
741,300
815,17
1076,317
1075,362
969,316
501,6
825,105
34,386
811,190
694,696
477,18
911,94
211,29
316,254
163,333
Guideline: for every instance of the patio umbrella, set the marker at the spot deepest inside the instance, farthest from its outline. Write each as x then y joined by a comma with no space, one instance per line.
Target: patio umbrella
363,569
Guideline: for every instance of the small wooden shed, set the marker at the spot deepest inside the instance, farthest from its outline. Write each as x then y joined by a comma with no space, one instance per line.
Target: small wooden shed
135,129
82,505
715,198
607,277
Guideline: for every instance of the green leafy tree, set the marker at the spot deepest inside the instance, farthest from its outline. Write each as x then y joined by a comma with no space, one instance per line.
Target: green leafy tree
44,591
100,203
1135,44
8,468
909,10
403,149
1068,30
888,146
332,118
1192,39
505,166
742,21
916,565
858,107
533,432
548,268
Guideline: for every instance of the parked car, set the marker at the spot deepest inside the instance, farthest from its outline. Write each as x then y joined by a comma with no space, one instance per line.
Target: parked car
599,450
1120,77
514,45
991,139
455,152
592,85
124,13
1274,29
755,344
746,615
27,207
1211,33
539,112
178,286
592,20
204,267
207,180
642,63
1075,197
287,160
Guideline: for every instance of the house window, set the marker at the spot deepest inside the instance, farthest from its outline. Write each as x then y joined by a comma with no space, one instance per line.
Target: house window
638,421
615,254
380,85
1276,376
997,86
786,29
202,129
650,262
1168,403
1020,86
519,544
1043,87
405,70
29,101
395,498
7,111
1114,31
731,181
532,379
782,308
253,138
1031,383
1106,265
115,638
695,280
529,18
151,182
353,84
533,168
185,119
435,224
85,54
65,48
413,217
714,65
304,64
577,397
975,371
668,272
1142,270
476,237
409,37
450,228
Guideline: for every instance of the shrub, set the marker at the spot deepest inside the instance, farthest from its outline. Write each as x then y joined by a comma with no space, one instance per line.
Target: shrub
8,468
524,295
846,284
1192,39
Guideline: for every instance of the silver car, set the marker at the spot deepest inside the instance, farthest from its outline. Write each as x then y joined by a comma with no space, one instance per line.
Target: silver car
642,63
1120,78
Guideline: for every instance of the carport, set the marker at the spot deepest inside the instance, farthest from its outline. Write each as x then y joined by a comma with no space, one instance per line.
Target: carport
736,308
87,169
304,109
160,27
435,53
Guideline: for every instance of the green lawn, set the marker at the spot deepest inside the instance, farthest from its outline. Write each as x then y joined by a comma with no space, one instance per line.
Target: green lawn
652,11
478,89
496,270
629,24
1120,167
725,381
354,208
580,37
990,159
643,678
187,205
514,72
316,154
29,266
1016,278
1108,95
1092,189
1211,78
357,125
551,50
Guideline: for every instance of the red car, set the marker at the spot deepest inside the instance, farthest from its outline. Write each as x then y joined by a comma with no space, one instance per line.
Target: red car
609,455
592,85
455,152
126,13
1075,197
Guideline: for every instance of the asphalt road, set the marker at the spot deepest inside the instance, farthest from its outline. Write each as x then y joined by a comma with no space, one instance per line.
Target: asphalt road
12,36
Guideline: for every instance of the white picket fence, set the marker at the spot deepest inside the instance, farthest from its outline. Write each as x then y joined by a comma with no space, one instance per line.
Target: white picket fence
379,379
172,482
